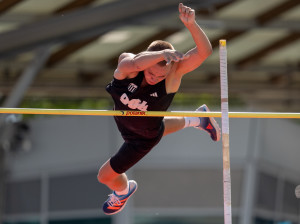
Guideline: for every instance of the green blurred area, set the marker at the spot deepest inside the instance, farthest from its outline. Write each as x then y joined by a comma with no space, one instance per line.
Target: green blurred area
181,100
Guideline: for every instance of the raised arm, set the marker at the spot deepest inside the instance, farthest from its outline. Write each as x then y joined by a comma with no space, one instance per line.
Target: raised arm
131,64
203,47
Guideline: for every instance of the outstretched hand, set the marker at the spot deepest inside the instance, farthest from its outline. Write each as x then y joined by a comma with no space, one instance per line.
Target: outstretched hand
186,14
173,55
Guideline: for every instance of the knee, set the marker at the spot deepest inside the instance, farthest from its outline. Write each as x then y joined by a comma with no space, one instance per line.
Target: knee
103,177
106,174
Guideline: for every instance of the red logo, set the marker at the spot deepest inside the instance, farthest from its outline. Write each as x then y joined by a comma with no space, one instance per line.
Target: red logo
135,113
209,127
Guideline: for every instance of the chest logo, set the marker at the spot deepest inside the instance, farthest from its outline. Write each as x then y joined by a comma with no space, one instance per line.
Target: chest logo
134,103
154,94
132,87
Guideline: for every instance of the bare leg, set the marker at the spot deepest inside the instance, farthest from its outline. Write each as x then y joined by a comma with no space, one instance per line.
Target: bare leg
113,180
173,124
118,182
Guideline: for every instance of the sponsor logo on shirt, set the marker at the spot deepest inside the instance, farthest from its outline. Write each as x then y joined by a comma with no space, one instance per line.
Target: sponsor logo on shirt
134,103
132,87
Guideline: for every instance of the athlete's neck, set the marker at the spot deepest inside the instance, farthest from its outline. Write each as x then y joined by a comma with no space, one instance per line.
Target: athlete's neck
144,83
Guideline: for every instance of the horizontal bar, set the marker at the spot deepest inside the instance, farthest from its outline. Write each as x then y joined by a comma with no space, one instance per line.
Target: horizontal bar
145,113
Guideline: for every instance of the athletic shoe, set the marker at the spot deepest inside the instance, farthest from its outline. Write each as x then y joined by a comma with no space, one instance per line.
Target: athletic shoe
209,125
115,203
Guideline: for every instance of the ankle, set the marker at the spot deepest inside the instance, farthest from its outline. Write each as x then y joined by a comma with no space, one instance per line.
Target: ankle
191,121
124,191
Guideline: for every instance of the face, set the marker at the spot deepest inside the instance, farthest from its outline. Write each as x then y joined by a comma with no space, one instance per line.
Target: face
156,73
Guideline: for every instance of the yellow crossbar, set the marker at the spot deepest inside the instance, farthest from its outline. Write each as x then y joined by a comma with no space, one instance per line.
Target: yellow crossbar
145,113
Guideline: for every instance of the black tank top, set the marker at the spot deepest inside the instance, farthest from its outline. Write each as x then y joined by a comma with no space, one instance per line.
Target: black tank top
129,95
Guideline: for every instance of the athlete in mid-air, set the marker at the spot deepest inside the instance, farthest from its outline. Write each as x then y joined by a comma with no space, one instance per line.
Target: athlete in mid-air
148,81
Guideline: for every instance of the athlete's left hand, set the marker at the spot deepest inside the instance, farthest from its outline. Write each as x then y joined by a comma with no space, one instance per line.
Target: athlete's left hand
186,14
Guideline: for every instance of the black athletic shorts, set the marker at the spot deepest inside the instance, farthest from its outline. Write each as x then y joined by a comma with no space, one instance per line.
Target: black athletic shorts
134,149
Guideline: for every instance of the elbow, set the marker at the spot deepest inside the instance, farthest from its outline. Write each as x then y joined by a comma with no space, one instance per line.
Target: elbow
135,65
209,50
205,53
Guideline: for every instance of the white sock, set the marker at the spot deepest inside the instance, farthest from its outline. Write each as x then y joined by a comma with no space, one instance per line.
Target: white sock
191,121
123,192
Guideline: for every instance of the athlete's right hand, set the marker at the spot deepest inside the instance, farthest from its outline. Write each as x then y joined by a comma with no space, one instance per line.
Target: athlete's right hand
173,55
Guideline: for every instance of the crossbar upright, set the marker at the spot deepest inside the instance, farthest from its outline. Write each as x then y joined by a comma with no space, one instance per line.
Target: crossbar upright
225,133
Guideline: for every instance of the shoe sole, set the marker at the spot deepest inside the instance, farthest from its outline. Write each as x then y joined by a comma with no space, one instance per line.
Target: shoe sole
124,203
215,125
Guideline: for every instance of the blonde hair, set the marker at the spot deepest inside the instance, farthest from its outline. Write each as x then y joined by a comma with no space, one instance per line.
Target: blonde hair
159,45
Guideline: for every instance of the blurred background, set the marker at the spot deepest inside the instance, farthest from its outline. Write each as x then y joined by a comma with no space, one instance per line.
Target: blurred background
62,54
